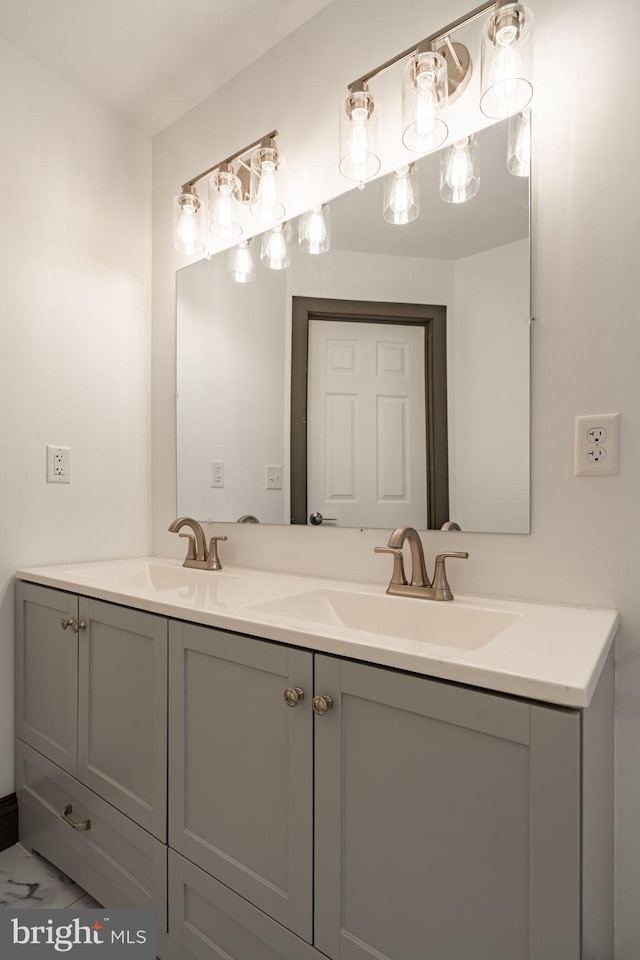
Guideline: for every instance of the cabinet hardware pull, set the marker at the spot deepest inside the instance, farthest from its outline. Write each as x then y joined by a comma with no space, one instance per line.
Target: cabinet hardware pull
80,825
321,705
293,696
78,626
64,623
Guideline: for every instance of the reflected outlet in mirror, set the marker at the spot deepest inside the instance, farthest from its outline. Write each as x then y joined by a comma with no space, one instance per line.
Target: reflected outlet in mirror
392,427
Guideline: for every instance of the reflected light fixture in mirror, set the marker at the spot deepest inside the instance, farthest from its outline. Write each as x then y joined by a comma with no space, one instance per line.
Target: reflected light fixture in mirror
241,268
436,74
275,252
459,180
401,195
519,144
248,176
314,230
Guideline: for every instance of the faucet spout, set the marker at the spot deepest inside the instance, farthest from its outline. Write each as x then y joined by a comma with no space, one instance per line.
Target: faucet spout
419,577
198,537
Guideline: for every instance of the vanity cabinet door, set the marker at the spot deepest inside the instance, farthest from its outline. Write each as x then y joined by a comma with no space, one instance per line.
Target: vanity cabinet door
447,821
47,672
122,740
240,792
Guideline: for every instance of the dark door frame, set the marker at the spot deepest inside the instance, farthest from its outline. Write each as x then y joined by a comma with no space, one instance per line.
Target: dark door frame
434,320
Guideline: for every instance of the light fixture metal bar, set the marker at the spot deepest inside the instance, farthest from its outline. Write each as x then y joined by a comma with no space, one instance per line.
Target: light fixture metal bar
433,38
234,156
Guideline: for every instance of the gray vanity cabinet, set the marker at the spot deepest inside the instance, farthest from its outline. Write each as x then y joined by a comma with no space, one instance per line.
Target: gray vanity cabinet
122,710
241,761
47,673
447,821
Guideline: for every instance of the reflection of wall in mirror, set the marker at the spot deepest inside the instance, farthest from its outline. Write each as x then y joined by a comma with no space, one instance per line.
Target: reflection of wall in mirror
234,388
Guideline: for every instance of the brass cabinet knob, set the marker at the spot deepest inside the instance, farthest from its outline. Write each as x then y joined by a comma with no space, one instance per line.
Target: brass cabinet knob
293,696
78,626
69,622
321,705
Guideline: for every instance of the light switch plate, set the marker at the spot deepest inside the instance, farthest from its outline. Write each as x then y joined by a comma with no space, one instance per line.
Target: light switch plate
597,445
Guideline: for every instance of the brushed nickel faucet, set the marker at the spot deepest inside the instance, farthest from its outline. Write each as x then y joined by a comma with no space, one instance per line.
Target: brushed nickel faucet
420,585
199,555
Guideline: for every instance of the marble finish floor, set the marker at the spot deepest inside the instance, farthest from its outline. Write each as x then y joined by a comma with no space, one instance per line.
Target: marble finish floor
28,880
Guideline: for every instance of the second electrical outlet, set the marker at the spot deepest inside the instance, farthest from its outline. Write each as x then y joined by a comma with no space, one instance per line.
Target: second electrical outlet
217,473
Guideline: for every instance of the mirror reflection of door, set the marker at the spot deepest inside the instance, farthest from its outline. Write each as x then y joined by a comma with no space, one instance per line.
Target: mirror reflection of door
369,441
366,450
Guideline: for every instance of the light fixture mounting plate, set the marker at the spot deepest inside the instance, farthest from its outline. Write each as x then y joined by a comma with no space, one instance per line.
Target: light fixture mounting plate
458,74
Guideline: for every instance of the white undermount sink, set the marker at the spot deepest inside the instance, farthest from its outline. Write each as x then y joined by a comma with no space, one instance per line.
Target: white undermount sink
443,623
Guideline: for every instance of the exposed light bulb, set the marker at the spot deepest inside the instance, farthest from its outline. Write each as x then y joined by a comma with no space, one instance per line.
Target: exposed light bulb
519,149
223,187
186,229
424,98
459,181
506,61
314,231
400,196
265,163
358,127
241,266
275,254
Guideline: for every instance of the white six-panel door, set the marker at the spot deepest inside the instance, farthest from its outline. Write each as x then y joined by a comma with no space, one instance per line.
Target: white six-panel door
366,424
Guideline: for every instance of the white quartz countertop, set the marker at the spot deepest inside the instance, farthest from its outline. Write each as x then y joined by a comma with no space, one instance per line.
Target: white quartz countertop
541,651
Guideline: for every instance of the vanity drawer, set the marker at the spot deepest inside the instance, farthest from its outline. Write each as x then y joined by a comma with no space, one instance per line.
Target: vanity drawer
210,921
114,859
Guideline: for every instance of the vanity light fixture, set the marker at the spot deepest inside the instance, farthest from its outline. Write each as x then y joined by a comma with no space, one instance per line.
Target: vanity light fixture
505,63
247,176
519,144
402,195
459,180
275,252
241,268
437,73
313,230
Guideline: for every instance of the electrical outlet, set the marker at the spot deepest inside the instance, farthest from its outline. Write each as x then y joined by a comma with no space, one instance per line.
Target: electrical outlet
272,477
58,464
597,445
217,473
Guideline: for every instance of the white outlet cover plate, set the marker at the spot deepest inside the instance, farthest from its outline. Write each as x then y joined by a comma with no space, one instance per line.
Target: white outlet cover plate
602,458
58,464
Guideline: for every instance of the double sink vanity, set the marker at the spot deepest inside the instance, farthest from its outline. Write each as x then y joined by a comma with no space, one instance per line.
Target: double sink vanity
288,768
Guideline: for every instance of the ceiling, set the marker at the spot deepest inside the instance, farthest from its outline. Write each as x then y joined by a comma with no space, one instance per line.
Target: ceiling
150,61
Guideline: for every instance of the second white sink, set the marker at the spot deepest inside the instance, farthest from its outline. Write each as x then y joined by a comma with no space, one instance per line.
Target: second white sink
445,623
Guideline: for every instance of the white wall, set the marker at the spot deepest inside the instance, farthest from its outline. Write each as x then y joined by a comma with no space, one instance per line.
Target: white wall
586,338
74,336
490,350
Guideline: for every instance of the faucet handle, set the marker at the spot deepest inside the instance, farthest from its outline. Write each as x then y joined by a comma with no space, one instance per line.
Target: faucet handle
398,576
440,583
212,555
191,548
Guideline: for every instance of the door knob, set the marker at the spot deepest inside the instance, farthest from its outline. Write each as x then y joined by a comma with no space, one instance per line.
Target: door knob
316,519
293,696
321,705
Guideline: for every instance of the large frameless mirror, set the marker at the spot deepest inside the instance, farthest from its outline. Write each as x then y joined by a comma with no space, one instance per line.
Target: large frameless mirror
381,381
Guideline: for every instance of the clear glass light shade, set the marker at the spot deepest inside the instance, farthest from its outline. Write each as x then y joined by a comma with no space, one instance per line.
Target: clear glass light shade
519,144
402,195
224,208
359,121
265,166
459,179
506,61
424,102
241,267
314,230
275,253
187,215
